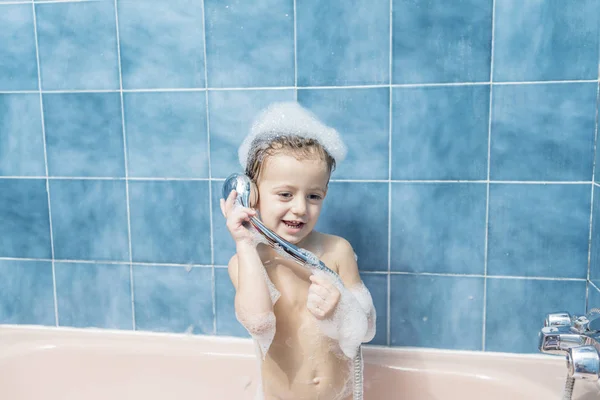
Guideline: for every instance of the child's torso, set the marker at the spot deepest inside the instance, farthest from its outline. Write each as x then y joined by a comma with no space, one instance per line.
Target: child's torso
301,363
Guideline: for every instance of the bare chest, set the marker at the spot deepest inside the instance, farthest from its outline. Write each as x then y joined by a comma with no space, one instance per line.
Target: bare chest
292,281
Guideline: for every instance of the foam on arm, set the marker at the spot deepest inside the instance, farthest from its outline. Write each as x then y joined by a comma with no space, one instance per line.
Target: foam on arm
354,318
353,321
260,326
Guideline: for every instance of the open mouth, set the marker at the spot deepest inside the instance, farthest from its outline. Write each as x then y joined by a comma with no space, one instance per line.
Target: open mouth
294,224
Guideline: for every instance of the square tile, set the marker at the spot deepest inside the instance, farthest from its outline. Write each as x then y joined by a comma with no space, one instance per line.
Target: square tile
525,302
436,311
377,285
170,222
343,43
438,41
539,230
227,133
227,323
440,132
543,132
171,299
25,227
27,295
262,53
94,295
89,220
78,45
438,227
533,39
162,44
84,135
367,231
223,243
18,69
166,134
595,239
361,116
21,141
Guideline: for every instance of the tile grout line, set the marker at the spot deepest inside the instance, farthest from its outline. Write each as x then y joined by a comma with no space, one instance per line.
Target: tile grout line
389,244
295,55
591,227
43,123
377,272
215,179
59,1
271,88
487,196
210,213
125,160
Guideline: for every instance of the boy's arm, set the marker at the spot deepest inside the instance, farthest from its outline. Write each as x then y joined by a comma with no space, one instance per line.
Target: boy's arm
253,301
349,274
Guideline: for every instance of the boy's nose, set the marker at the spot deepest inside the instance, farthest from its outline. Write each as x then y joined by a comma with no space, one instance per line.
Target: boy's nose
299,206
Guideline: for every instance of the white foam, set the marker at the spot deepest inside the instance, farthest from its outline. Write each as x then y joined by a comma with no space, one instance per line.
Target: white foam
363,297
353,321
261,327
290,119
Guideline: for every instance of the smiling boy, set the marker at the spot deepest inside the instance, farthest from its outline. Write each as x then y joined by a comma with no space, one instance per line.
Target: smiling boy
279,302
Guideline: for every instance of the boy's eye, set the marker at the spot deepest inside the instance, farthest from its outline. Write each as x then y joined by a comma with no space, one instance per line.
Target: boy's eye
315,197
285,195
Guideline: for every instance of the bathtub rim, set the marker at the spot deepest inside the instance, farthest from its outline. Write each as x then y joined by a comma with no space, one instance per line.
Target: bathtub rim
43,331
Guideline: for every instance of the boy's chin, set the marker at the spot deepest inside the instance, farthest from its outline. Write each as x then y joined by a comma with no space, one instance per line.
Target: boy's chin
293,239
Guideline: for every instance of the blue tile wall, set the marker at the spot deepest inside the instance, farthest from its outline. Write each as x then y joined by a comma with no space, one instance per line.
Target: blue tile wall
77,44
97,295
166,134
18,70
545,40
439,41
351,38
21,141
83,134
161,44
427,124
469,192
250,44
505,303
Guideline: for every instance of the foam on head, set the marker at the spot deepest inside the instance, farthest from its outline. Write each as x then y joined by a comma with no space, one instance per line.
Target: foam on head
289,119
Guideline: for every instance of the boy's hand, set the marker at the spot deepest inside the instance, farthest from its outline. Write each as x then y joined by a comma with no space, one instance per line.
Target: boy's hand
236,215
323,297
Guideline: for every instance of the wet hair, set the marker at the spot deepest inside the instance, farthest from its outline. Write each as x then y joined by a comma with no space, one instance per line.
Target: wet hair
298,147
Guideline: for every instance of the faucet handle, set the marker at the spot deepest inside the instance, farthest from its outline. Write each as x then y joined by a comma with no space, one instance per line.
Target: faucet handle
558,319
583,363
589,323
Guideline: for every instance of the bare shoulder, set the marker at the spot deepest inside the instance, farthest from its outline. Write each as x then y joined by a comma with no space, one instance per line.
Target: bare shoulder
335,245
232,268
341,256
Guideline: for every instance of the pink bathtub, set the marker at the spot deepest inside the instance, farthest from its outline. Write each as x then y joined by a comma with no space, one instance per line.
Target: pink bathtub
70,364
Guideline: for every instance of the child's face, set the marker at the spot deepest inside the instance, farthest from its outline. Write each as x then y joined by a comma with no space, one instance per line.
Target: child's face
291,195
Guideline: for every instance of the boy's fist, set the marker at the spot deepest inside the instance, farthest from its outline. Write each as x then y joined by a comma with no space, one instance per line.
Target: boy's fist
323,297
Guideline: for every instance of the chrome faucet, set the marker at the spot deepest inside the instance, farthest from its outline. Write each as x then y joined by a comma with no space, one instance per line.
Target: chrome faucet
576,337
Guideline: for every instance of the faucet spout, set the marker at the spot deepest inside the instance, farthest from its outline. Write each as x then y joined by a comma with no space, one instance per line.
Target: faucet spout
559,339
